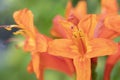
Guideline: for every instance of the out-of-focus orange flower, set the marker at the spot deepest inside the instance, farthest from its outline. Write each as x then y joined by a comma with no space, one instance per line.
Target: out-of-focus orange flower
81,46
110,29
37,44
107,10
112,23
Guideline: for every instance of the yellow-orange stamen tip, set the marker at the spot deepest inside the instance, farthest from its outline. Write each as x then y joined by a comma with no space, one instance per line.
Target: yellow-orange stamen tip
10,27
18,32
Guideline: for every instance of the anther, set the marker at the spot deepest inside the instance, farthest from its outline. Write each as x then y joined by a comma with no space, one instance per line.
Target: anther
9,27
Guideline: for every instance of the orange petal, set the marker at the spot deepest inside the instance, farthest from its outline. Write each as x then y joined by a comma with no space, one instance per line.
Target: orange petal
29,44
101,47
88,25
24,18
83,68
63,48
110,63
37,66
81,9
64,65
43,61
69,8
41,43
107,8
110,29
36,44
107,33
73,19
57,29
30,67
68,28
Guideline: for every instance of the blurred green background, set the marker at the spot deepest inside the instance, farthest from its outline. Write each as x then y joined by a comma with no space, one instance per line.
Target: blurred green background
13,61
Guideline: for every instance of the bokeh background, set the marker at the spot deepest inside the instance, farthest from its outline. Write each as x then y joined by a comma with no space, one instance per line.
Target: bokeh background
13,60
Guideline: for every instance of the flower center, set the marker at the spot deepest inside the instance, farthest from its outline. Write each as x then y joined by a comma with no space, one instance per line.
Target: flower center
79,40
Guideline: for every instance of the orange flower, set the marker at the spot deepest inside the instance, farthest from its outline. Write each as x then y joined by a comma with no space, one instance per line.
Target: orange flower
107,23
107,11
112,23
109,28
37,44
81,46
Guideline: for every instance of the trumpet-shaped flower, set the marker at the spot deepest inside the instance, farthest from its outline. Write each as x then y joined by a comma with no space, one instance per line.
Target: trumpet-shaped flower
107,23
80,46
100,30
37,44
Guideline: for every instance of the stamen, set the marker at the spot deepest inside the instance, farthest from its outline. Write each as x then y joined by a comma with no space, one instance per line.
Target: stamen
19,32
75,34
78,34
10,27
79,37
